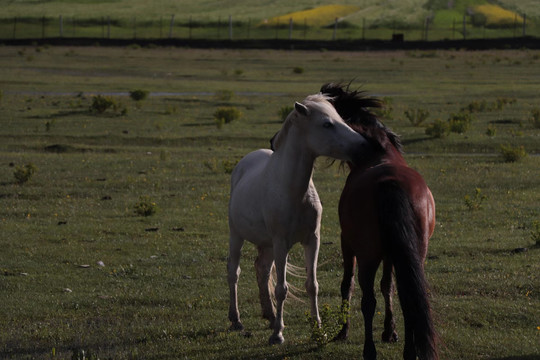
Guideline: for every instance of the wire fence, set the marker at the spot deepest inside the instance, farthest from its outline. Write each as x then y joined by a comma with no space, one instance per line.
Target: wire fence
229,29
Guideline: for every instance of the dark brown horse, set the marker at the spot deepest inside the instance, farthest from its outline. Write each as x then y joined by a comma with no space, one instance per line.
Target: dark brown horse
387,214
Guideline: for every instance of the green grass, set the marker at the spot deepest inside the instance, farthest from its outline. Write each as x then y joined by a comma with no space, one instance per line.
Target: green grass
162,291
209,19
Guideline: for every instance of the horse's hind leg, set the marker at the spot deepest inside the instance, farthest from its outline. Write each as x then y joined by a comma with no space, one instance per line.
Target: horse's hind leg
366,278
233,269
347,287
263,267
387,288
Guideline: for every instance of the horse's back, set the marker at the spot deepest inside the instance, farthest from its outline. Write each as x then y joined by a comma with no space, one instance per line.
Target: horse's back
251,165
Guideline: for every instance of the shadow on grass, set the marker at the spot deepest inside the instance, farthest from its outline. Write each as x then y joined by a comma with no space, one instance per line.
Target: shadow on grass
521,357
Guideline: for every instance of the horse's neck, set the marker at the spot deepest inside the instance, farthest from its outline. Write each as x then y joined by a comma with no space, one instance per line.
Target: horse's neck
390,155
393,156
291,166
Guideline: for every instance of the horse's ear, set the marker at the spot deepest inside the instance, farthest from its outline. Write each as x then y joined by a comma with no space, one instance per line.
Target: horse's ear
301,108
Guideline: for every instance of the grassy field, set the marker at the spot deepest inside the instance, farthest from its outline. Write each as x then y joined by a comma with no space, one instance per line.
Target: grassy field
209,19
80,270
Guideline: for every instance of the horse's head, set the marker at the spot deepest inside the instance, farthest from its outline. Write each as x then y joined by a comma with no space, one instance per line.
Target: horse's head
355,108
322,130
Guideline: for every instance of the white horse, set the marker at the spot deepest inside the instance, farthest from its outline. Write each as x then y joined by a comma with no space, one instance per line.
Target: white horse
274,203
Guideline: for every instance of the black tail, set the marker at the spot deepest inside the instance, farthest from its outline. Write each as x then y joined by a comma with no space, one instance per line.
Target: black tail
399,234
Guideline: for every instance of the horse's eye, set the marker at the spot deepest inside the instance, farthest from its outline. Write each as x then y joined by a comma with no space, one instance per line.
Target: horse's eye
328,125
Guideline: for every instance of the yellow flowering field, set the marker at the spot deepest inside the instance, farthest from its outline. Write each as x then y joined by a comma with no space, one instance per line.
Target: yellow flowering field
496,16
319,16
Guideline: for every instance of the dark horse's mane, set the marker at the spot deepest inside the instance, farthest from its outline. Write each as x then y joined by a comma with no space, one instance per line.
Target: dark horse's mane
355,108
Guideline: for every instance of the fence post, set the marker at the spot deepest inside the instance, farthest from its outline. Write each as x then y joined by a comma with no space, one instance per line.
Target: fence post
190,20
249,28
61,26
134,27
108,27
335,29
230,27
171,26
290,28
14,27
524,24
305,28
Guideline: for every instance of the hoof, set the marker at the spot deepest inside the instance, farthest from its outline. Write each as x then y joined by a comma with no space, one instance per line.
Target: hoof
276,339
388,337
342,336
369,351
236,326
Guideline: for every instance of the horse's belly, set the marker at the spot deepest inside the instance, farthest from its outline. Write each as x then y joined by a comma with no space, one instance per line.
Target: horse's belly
251,228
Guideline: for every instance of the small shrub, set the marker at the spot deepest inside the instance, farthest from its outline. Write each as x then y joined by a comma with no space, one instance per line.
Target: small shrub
416,116
219,122
211,164
145,206
224,95
513,153
438,129
24,173
386,111
460,122
284,111
100,104
476,106
332,320
491,131
535,118
49,125
139,95
228,166
228,114
298,70
475,202
501,102
171,110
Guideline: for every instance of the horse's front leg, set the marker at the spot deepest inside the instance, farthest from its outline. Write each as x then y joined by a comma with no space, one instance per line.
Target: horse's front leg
311,254
281,289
